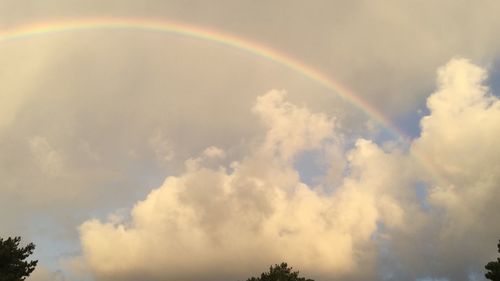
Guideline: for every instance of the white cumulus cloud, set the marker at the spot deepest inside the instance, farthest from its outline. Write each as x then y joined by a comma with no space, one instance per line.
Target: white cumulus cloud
232,221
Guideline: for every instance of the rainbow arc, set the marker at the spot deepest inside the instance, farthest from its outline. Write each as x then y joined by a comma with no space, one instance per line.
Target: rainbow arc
203,33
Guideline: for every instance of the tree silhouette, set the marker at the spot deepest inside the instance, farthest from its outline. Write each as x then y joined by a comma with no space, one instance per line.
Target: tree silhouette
493,268
13,266
279,273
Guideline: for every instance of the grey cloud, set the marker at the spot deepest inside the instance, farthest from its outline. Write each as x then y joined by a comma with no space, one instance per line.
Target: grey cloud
391,46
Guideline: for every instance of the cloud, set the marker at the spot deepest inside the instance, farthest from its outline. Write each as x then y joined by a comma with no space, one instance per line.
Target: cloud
459,134
214,152
231,222
289,128
49,160
459,140
253,213
163,150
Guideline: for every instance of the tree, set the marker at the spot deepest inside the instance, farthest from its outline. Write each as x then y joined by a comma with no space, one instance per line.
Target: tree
13,266
493,268
279,273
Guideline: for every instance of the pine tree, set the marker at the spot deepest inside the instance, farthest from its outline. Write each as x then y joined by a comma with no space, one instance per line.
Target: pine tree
279,273
13,266
493,268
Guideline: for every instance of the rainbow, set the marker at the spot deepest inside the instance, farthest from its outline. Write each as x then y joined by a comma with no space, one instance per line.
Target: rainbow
43,28
203,33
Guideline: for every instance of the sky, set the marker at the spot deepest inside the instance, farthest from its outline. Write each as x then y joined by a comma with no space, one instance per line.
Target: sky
207,140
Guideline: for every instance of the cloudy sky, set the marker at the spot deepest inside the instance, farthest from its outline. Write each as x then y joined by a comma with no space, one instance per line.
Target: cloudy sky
135,153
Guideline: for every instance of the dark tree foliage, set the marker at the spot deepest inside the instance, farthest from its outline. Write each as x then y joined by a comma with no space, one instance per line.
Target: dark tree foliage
13,266
279,273
493,268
